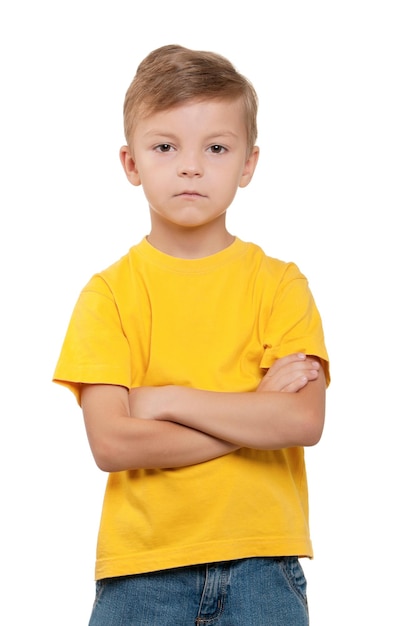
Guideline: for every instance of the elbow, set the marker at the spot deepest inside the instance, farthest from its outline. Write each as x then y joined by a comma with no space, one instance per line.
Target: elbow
311,418
105,456
312,426
312,437
305,432
103,461
104,464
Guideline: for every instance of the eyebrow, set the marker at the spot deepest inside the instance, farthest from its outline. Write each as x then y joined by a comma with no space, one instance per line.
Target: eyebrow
167,134
223,133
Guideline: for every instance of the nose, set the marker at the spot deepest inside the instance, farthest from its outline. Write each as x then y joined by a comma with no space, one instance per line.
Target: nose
190,165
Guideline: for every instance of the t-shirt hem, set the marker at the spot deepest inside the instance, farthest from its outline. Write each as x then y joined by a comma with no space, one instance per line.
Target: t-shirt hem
157,561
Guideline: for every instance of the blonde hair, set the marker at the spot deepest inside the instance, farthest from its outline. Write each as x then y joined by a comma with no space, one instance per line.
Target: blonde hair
171,75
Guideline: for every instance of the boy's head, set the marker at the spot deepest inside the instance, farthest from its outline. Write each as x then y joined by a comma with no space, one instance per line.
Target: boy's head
173,75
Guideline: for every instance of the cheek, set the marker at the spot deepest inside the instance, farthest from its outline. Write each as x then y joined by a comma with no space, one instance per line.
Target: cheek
155,189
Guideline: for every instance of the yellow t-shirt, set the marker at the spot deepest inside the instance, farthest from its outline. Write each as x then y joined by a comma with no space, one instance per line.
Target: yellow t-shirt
212,323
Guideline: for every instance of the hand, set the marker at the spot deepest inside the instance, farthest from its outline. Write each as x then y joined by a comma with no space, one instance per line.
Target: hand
290,373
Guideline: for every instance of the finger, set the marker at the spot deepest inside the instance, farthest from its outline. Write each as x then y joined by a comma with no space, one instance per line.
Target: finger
290,380
292,369
290,361
296,385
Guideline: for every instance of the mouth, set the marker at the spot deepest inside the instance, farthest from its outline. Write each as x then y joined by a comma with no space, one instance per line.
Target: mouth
189,194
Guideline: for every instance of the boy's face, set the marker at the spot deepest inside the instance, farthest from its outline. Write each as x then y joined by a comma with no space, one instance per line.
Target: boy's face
190,160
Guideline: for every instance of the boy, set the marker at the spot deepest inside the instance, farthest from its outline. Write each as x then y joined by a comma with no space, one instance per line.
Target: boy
201,369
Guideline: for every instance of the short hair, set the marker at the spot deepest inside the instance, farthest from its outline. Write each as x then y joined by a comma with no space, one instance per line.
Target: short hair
172,75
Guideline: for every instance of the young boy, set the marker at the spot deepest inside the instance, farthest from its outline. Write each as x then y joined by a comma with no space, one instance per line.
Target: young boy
201,369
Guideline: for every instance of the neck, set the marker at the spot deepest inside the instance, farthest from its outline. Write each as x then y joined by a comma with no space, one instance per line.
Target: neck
190,242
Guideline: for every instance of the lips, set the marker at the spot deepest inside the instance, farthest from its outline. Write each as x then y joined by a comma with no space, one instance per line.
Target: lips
190,193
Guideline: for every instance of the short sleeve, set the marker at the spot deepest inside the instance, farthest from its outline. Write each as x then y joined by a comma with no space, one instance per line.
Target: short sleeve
95,349
294,324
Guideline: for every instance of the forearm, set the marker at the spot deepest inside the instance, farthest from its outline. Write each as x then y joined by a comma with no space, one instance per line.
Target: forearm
262,420
158,444
162,427
121,440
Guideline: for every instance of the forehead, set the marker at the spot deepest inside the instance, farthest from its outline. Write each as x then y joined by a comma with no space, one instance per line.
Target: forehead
221,114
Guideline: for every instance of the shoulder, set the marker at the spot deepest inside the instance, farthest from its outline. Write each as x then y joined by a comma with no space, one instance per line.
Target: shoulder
274,267
117,275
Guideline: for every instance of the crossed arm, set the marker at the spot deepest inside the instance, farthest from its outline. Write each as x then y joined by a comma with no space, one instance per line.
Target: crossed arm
173,426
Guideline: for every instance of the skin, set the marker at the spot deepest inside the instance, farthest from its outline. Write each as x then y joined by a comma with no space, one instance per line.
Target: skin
190,161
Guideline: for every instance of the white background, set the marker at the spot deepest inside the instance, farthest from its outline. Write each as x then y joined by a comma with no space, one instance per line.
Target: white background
334,191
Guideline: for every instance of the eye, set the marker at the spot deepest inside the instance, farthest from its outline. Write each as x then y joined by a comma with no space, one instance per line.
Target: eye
164,147
217,149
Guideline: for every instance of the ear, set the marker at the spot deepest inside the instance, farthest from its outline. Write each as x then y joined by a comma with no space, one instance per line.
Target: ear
249,167
129,166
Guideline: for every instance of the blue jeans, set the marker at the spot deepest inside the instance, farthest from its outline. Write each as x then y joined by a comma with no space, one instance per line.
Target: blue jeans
248,592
